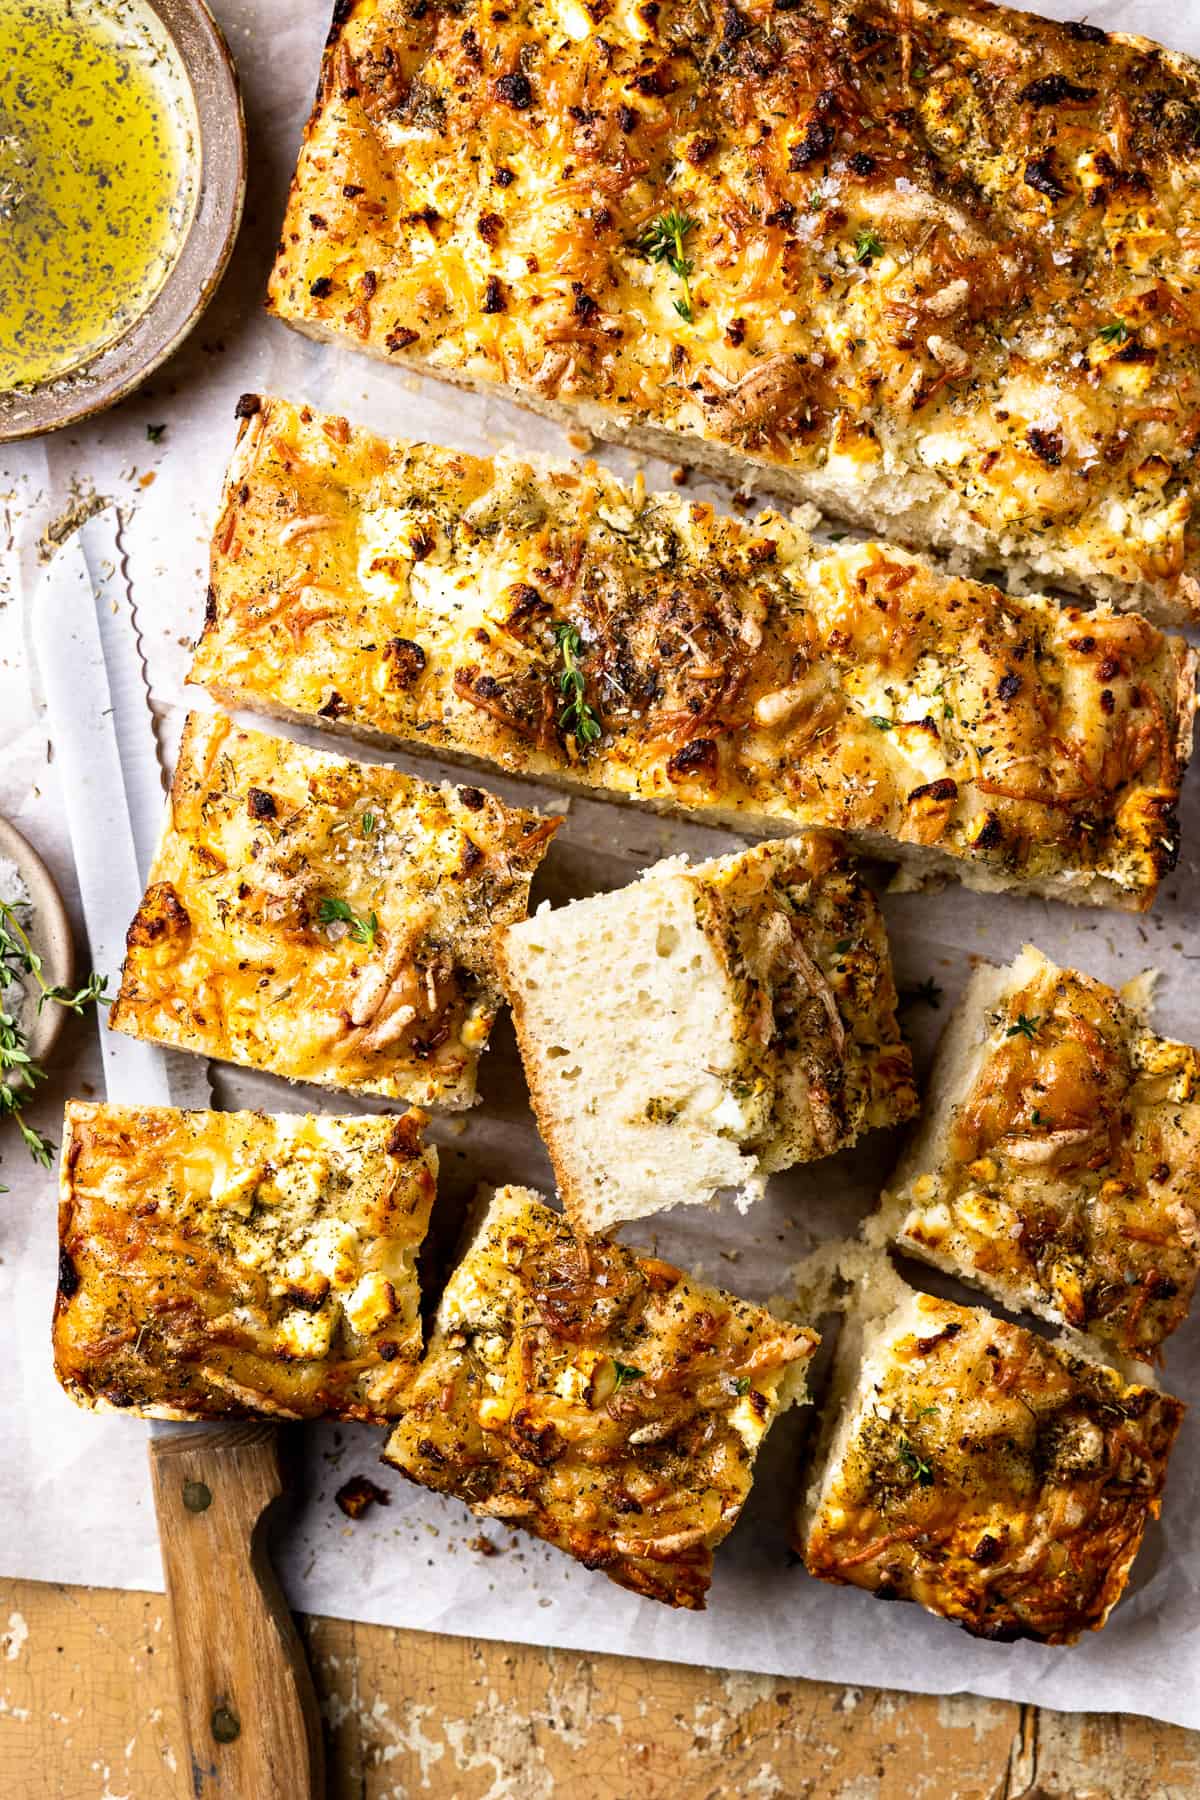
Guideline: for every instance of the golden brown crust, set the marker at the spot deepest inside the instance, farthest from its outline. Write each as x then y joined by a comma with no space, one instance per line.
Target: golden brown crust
326,920
227,1265
597,1398
416,594
938,264
1066,1174
993,1477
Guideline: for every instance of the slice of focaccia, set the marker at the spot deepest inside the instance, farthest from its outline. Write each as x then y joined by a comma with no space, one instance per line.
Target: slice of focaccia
705,1026
222,1265
597,1398
999,1480
1058,1165
326,920
928,263
553,621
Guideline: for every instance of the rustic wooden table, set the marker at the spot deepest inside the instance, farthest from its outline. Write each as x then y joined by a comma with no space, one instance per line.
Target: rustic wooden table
88,1712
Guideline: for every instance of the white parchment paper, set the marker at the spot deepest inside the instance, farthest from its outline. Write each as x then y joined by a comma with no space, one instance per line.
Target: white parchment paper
74,1497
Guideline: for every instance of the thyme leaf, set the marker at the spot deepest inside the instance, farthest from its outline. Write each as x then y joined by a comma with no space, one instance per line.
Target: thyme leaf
1116,333
577,716
867,246
626,1372
914,1464
664,241
1027,1028
363,931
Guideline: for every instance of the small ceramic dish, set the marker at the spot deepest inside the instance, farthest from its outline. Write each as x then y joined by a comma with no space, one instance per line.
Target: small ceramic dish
49,933
219,172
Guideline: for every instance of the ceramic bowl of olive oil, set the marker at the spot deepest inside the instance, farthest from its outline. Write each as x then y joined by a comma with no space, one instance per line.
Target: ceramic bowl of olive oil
122,177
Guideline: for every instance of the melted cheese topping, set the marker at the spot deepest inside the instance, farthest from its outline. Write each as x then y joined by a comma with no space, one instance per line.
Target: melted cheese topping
992,1477
422,595
227,1264
326,920
933,260
1068,1177
599,1399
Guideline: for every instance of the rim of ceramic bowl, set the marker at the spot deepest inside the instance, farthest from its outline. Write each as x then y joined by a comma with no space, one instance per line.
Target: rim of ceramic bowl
114,372
50,932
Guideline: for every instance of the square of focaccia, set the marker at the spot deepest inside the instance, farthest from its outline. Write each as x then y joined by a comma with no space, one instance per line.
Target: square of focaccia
221,1265
705,1026
597,1398
733,670
1001,1481
893,259
1058,1164
326,920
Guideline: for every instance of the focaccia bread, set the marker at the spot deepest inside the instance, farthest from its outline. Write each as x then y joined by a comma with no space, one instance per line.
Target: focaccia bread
928,263
597,1398
326,920
562,625
222,1265
706,1026
997,1479
1058,1164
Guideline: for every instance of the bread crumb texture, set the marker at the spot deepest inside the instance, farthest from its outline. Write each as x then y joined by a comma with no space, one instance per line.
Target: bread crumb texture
706,1026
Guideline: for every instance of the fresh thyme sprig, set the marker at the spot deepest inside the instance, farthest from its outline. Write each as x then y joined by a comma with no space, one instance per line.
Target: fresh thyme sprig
664,241
19,1074
914,1464
363,931
576,716
867,246
1027,1028
1116,333
625,1372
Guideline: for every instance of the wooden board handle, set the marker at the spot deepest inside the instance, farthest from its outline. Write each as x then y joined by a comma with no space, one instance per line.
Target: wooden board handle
249,1710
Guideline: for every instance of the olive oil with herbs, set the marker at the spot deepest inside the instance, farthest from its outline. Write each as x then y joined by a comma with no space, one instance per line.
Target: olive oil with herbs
98,155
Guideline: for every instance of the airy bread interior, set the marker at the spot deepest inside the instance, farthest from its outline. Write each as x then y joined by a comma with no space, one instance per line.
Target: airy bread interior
628,1022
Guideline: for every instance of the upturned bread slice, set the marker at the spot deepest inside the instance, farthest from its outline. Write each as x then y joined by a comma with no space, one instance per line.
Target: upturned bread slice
705,1026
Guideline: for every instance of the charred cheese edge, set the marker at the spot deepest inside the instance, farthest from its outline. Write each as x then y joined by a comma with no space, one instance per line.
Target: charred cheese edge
227,1265
413,594
1059,1164
934,266
740,1017
596,1397
997,1479
326,920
